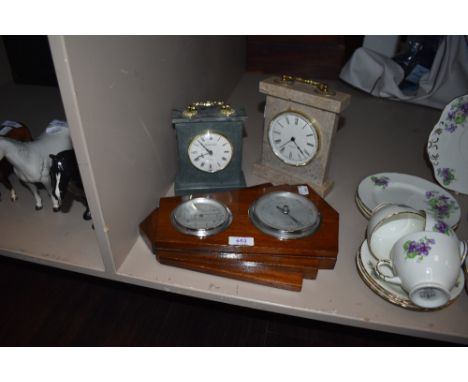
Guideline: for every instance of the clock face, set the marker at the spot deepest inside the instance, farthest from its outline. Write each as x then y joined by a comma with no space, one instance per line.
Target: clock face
210,152
293,138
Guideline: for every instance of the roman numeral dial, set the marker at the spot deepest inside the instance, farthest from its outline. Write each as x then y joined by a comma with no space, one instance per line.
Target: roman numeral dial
210,152
293,138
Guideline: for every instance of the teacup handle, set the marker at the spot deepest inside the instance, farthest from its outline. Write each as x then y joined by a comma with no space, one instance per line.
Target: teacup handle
388,264
463,250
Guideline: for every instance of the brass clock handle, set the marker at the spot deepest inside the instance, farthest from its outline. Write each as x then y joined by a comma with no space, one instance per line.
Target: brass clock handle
320,86
192,109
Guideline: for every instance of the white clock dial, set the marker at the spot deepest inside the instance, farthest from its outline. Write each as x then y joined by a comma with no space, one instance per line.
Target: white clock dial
293,138
210,151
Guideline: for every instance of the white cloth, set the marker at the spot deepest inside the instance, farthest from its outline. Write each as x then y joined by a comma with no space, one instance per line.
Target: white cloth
380,75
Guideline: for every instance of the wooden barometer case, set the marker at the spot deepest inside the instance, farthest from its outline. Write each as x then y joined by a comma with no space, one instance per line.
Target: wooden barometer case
272,235
301,118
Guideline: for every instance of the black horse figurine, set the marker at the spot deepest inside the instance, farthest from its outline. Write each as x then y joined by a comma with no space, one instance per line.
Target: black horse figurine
64,173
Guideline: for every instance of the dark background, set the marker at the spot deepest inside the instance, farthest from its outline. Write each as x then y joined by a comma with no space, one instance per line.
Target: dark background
319,57
44,306
30,60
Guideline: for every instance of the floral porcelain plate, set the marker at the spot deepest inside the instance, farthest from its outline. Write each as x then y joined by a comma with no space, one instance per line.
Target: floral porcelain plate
447,146
396,188
392,293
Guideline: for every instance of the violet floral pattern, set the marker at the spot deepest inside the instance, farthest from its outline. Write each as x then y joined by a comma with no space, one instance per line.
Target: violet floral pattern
441,206
381,181
447,175
456,116
446,148
418,249
441,227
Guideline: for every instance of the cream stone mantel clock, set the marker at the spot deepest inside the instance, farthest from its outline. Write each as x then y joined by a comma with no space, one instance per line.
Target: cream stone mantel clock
301,117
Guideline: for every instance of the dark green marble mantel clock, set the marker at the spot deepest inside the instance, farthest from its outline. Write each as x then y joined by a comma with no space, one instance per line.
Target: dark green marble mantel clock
209,143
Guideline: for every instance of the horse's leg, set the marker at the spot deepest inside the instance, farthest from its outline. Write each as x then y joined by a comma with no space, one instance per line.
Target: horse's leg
87,213
13,196
5,171
34,191
48,185
55,202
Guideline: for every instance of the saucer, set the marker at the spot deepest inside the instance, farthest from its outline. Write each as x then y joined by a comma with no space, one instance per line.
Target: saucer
392,293
447,146
362,208
418,193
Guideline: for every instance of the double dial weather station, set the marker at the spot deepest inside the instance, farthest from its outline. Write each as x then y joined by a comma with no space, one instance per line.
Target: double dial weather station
271,235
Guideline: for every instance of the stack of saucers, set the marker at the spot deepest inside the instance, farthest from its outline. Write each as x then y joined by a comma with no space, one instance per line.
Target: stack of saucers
395,188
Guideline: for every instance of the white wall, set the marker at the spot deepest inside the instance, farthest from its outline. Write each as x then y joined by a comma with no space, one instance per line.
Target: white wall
124,89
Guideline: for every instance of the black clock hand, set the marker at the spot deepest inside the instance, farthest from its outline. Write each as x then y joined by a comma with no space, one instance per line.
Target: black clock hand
206,148
200,156
285,143
285,211
300,150
293,140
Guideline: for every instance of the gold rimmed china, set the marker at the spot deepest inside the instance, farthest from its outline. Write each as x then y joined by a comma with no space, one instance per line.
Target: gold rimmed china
448,144
393,293
382,292
361,207
395,188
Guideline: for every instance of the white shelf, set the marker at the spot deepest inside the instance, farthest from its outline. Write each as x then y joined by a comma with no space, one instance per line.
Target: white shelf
118,107
337,295
62,239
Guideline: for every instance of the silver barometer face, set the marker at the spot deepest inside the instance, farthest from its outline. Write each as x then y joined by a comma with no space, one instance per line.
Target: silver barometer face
201,217
285,215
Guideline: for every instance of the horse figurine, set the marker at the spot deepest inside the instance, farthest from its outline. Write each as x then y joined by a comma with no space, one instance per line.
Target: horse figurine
19,132
31,161
64,173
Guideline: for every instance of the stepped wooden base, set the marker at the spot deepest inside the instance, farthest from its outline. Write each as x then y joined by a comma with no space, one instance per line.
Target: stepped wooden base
283,278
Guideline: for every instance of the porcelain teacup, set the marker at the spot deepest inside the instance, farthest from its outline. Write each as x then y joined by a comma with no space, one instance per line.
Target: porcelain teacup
426,265
388,224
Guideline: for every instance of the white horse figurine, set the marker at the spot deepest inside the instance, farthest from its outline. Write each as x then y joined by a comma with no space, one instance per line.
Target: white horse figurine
31,161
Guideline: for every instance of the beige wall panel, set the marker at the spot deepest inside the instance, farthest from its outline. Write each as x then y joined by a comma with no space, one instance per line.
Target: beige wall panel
125,89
